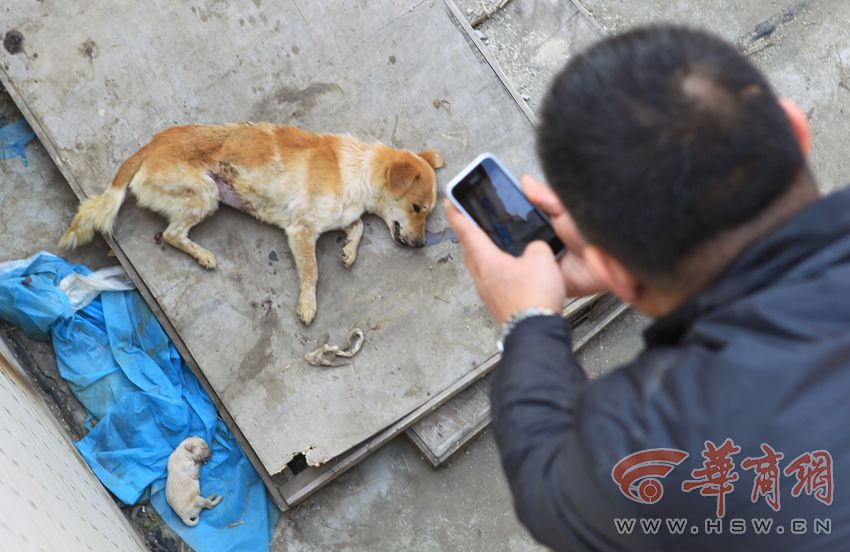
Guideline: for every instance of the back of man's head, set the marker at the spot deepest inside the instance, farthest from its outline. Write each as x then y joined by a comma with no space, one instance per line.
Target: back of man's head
661,139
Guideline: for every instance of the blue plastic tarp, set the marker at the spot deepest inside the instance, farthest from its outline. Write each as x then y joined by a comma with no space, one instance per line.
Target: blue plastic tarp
124,369
13,138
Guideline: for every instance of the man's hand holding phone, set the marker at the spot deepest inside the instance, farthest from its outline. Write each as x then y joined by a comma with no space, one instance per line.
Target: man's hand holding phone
509,284
578,279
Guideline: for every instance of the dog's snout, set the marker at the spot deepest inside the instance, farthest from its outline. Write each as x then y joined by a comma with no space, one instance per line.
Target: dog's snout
401,238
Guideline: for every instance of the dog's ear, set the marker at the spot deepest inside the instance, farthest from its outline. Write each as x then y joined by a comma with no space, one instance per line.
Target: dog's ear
190,447
400,177
432,158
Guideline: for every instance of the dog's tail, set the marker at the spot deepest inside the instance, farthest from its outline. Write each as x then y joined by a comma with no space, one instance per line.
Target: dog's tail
99,212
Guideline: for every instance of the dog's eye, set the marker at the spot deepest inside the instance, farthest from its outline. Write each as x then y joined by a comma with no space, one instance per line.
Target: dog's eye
417,208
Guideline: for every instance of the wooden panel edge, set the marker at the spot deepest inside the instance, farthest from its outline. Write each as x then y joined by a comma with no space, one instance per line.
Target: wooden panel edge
294,492
464,25
349,460
611,311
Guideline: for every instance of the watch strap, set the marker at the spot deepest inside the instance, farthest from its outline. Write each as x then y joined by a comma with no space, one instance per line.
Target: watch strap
518,317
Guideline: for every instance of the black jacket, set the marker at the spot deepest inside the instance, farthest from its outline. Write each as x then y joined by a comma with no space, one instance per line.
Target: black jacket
762,356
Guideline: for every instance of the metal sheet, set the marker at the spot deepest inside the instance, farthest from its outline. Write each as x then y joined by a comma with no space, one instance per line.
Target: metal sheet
97,88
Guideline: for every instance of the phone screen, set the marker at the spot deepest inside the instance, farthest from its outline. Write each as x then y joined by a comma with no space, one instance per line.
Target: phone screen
493,200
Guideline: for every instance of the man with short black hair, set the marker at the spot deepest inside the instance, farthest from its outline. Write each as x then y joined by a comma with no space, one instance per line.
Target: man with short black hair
679,183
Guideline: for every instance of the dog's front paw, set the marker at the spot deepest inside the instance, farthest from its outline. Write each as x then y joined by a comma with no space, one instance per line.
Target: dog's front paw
206,260
306,311
349,255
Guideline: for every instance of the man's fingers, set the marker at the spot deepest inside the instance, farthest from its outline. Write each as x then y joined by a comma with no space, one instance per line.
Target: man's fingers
470,236
542,196
580,281
538,248
566,229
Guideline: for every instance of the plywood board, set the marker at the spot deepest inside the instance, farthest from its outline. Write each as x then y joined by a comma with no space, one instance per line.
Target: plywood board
461,403
296,488
464,416
95,92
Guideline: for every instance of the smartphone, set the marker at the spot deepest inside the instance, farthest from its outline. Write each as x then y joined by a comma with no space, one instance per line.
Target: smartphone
489,196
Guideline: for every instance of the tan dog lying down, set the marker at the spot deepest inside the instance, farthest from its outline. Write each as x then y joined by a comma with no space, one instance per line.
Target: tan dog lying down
305,183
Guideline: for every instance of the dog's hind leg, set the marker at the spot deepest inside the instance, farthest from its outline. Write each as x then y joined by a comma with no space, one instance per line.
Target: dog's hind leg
177,234
210,502
302,242
353,233
184,199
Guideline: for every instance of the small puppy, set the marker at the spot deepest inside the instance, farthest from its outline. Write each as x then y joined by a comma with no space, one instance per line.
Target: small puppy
305,183
182,488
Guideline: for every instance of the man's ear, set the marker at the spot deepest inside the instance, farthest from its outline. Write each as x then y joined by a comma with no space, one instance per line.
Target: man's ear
799,124
400,177
432,158
612,273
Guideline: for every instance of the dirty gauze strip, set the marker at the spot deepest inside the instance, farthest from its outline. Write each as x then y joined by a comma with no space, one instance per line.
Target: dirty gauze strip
127,373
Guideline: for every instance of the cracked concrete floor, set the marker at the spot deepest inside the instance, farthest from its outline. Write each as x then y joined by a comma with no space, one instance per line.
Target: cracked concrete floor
394,500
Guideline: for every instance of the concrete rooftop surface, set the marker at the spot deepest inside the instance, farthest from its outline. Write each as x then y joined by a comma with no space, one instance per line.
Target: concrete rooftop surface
394,500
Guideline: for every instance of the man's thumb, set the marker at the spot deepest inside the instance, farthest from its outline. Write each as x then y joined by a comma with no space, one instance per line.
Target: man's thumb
538,248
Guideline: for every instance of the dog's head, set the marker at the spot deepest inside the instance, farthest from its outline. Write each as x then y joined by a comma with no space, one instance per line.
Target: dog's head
197,449
408,192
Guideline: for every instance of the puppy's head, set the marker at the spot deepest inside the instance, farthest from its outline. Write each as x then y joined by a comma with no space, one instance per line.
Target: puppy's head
408,192
196,448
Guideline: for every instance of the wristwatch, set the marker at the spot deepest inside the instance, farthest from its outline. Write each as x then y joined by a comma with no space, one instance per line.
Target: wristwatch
515,319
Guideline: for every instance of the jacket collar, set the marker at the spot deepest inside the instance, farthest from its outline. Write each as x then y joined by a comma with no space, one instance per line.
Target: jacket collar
764,263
